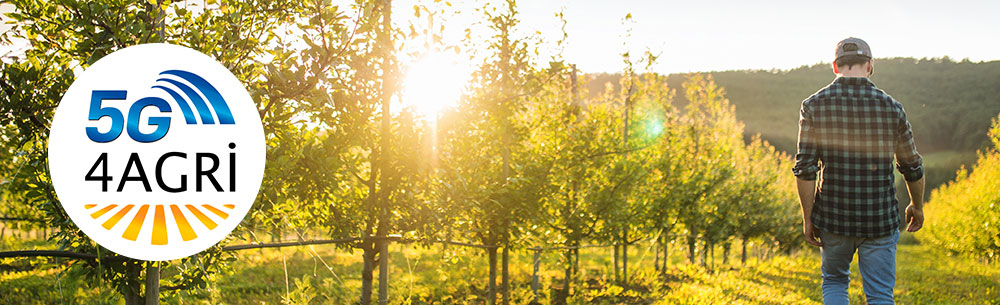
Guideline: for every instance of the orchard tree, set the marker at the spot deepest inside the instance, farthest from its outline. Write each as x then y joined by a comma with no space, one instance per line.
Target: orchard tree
489,178
359,172
578,143
659,125
646,105
336,157
706,141
67,37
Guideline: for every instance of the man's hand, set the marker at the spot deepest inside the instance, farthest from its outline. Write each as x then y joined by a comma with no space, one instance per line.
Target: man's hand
915,211
812,235
914,217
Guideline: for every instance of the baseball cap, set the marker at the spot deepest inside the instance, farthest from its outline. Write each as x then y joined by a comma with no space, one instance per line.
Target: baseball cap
853,46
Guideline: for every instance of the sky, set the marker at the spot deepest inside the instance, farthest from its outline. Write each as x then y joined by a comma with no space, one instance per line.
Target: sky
714,35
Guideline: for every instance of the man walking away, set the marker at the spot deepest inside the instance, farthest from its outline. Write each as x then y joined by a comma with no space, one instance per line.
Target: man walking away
849,133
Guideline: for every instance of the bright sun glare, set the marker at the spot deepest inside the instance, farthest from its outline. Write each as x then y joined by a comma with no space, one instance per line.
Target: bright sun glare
433,82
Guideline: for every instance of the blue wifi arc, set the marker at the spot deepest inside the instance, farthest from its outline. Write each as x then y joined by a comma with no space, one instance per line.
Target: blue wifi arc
97,111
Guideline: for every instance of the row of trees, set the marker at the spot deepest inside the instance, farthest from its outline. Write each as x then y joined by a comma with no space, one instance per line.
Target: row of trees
527,158
964,215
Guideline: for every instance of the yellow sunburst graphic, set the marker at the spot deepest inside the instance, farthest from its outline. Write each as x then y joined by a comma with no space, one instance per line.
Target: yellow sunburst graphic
159,228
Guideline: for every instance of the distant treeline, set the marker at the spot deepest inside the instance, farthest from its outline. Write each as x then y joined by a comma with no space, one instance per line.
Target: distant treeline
949,103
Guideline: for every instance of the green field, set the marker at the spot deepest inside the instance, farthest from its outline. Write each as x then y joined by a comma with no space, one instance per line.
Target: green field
438,275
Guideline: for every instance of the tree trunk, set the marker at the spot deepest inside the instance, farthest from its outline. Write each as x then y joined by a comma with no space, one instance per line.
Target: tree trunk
704,255
152,283
383,272
368,267
711,256
618,278
534,274
625,254
743,256
628,101
656,255
131,291
725,252
491,293
566,277
666,254
576,261
692,244
504,277
381,165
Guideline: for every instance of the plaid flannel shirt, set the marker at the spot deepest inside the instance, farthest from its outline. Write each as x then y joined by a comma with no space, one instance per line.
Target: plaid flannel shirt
849,133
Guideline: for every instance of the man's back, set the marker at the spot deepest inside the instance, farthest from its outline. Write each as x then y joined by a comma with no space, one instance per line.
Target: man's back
849,133
853,130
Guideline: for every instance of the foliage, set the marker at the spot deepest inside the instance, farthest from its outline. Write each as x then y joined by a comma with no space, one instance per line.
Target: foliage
253,40
706,183
964,215
488,178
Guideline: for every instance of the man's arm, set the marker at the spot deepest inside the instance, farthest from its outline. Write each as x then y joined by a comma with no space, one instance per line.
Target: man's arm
807,196
806,167
915,211
911,165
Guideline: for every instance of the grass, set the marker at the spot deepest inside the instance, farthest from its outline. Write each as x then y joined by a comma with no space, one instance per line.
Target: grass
448,275
925,276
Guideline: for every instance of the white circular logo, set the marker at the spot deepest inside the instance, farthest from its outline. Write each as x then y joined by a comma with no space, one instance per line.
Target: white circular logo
156,152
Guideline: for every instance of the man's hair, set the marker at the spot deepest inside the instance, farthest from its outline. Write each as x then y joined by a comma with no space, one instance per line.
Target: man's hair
851,60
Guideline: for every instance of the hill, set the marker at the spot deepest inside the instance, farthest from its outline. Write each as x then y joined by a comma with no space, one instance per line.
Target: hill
950,104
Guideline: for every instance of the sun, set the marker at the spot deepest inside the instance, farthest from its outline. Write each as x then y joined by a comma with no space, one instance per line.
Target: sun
434,82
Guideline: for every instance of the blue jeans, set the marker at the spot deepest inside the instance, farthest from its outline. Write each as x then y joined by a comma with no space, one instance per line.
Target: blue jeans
876,260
